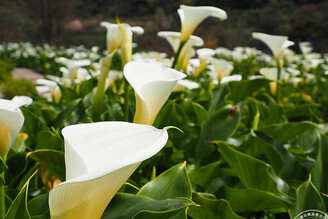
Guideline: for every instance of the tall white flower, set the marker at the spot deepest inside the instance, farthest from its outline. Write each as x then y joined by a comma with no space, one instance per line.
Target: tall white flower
99,158
222,67
192,16
11,122
114,34
153,85
276,43
187,51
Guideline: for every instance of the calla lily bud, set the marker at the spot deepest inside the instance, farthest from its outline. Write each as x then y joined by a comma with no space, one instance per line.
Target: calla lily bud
99,158
153,85
192,16
11,122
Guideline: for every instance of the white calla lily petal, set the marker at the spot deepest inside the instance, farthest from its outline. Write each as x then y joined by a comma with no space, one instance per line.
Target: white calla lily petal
113,36
11,122
192,16
153,85
23,100
276,43
100,157
174,39
222,67
229,78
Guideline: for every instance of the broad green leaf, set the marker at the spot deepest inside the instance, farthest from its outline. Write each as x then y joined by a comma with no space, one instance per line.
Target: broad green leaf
38,205
204,175
256,146
253,173
175,214
172,114
211,209
49,114
195,112
47,139
309,141
218,97
253,200
283,132
71,115
68,94
87,86
52,160
219,126
301,112
33,124
126,205
239,90
171,184
320,168
308,198
18,208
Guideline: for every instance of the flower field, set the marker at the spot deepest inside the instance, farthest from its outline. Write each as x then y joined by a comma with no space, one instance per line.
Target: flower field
205,133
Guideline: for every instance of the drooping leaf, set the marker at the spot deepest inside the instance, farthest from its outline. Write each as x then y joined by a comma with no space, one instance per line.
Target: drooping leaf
211,209
126,205
52,160
171,184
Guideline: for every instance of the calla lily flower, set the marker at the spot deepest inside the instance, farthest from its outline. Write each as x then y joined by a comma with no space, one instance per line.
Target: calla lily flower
174,39
222,67
73,65
276,43
49,89
99,158
192,16
187,51
153,85
23,100
271,74
118,34
203,55
185,84
11,122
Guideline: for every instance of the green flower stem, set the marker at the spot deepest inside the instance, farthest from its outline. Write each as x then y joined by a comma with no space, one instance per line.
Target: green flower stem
105,66
176,56
2,198
278,93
